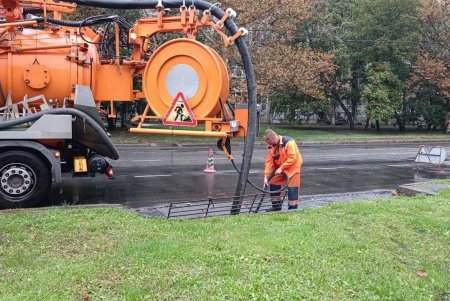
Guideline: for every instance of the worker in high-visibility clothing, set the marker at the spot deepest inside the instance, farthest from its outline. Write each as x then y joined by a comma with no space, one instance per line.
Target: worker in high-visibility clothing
283,156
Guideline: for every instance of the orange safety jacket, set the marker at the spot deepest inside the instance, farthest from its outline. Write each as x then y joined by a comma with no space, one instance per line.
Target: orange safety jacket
286,155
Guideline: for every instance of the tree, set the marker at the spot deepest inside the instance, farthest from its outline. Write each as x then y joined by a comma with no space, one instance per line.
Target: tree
433,66
428,104
279,59
296,106
364,32
387,32
347,83
383,93
328,30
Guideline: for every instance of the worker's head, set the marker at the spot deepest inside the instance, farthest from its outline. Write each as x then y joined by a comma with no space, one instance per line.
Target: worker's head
271,138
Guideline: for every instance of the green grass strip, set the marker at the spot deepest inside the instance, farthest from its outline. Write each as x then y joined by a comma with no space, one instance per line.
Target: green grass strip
376,250
318,134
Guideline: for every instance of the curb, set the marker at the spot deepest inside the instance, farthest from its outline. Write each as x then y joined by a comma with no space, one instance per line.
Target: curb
87,206
410,190
429,188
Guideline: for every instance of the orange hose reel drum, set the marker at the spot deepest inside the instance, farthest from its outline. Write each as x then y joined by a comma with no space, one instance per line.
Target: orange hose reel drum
187,66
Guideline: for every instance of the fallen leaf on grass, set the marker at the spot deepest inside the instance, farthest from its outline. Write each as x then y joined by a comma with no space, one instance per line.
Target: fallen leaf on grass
421,273
34,235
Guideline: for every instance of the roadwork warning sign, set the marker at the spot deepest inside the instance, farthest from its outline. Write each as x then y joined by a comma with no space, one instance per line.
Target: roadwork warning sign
431,154
179,113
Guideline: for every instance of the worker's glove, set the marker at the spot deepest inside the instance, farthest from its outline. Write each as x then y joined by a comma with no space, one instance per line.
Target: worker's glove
278,171
266,182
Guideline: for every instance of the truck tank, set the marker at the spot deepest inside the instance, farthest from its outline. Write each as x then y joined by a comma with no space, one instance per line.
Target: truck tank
52,61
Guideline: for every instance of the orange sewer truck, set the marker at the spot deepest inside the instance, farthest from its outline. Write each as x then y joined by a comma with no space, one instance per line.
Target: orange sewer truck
54,74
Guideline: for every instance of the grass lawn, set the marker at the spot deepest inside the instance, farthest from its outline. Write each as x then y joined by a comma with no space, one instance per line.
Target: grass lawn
337,134
343,134
375,250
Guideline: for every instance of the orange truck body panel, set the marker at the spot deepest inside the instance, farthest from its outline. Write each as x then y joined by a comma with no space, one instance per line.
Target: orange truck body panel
18,62
113,82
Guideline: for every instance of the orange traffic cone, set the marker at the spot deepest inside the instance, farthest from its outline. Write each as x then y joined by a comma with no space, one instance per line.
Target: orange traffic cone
210,162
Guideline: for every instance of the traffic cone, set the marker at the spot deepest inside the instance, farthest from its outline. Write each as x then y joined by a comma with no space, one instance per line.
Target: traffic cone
210,162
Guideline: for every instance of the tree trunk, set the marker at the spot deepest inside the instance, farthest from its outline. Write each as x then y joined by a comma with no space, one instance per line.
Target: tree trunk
447,124
351,121
124,116
377,122
349,115
367,124
333,116
446,128
400,122
111,123
402,125
355,83
269,111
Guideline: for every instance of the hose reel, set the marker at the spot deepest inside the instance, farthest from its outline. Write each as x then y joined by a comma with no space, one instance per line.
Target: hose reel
190,67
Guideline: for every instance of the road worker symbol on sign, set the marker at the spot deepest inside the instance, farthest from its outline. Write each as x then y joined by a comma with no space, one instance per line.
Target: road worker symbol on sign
179,113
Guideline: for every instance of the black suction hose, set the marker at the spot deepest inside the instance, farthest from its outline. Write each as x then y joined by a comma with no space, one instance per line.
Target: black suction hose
243,51
98,129
286,177
66,23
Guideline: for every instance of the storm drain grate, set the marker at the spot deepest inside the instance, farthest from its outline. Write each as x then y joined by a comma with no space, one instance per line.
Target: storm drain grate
251,204
246,204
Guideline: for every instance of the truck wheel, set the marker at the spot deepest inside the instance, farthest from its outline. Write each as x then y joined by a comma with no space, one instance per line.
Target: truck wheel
24,179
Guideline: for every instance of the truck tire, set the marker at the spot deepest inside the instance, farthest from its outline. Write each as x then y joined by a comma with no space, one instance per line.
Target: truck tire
25,179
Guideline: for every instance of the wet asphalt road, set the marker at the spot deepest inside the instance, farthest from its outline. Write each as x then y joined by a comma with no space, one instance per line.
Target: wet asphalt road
148,175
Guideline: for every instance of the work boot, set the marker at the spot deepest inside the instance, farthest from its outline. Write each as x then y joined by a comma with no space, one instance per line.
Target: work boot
292,207
276,206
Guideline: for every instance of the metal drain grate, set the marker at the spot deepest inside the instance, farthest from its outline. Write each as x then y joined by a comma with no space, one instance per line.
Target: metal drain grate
254,203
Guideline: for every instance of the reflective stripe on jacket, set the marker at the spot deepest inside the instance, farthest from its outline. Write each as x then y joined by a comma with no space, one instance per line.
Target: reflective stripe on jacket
286,155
